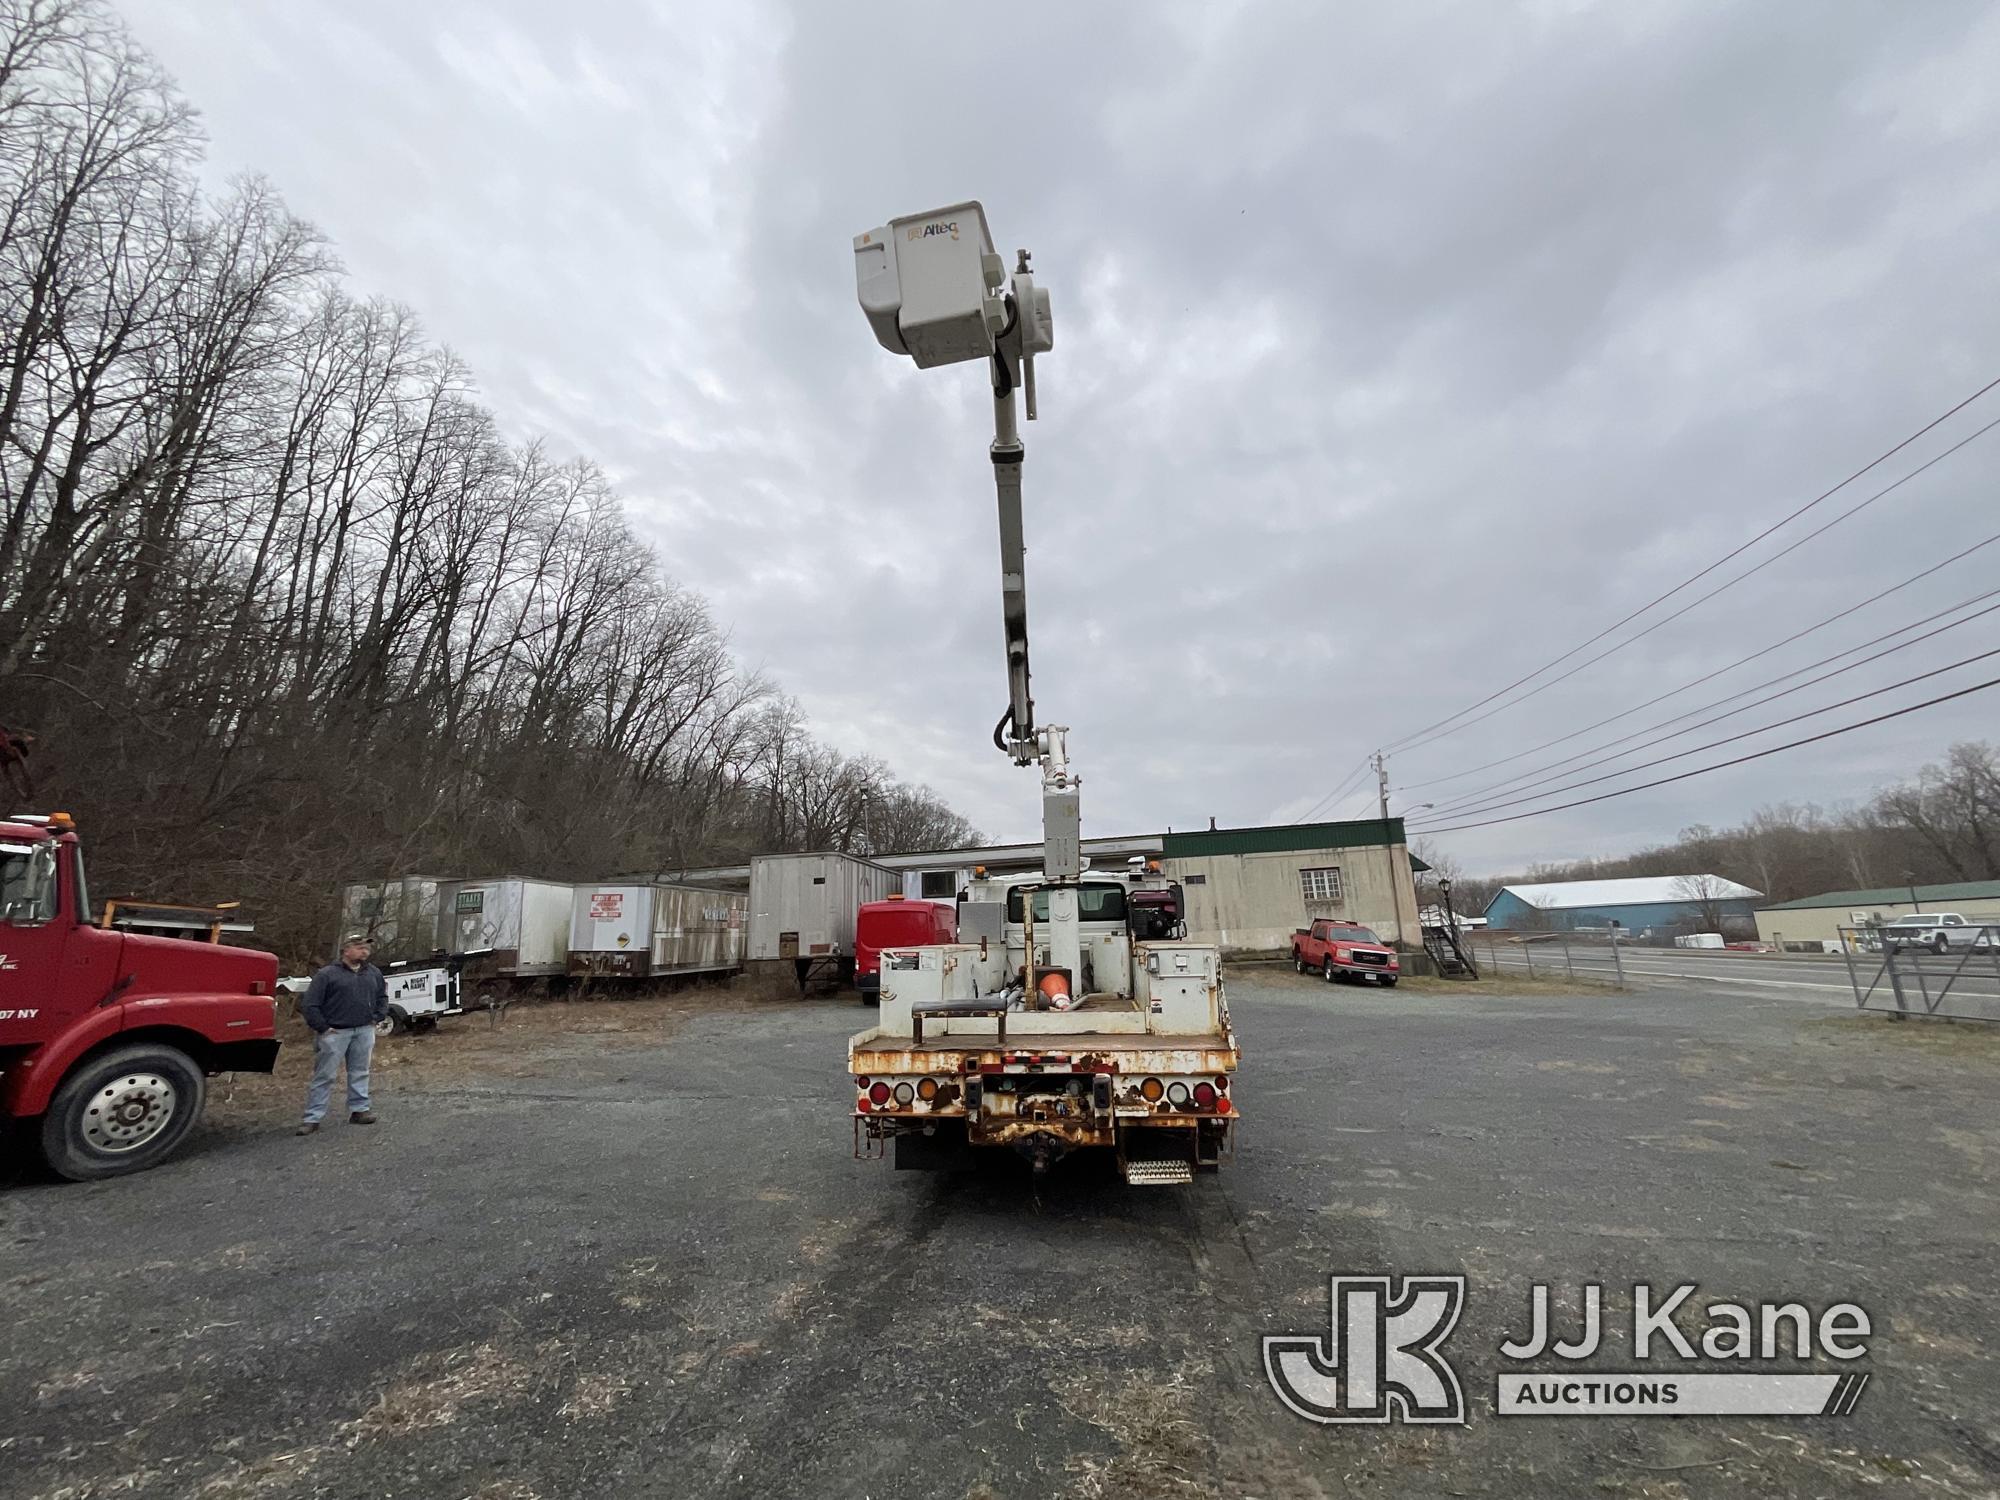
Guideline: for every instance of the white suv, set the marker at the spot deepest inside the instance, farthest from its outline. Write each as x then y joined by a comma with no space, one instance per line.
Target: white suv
1936,931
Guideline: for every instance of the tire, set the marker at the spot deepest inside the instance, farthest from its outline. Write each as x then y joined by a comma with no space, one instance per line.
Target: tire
1298,961
1939,944
122,1112
1390,982
395,1023
1327,971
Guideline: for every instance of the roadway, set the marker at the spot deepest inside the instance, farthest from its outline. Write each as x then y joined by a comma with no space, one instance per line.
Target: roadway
1795,976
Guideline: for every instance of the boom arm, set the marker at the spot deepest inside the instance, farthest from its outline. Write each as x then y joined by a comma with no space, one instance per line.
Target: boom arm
1008,452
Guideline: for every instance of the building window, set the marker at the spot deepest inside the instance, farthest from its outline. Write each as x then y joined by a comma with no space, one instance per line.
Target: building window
1322,885
940,885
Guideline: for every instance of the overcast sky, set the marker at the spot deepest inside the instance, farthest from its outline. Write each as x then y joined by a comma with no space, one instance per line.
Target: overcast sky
1399,349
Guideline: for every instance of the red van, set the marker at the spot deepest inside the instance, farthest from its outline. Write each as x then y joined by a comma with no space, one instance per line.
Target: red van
896,923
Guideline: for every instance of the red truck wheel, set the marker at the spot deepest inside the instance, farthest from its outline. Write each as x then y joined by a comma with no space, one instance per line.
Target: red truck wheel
122,1112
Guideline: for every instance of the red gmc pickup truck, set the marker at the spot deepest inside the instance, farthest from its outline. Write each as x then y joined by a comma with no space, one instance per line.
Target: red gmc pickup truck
1344,950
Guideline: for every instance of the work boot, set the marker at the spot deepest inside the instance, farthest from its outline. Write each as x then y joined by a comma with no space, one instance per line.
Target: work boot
310,1127
362,1117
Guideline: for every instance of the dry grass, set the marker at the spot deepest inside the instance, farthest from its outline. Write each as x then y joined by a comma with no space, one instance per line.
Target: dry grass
1163,1448
1964,1041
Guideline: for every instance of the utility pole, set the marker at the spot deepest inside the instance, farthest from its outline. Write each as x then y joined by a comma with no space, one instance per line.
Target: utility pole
1382,784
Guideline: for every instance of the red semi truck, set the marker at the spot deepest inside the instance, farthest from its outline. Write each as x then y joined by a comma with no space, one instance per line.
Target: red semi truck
107,1038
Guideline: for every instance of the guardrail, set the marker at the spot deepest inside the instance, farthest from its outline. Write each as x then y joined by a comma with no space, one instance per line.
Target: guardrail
1959,981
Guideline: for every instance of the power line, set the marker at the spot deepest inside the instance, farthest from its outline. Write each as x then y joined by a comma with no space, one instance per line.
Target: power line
1726,557
1744,661
1513,785
1810,713
1419,740
1723,765
1345,782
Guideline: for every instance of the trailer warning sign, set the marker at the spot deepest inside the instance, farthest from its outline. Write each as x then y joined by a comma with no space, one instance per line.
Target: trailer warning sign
607,906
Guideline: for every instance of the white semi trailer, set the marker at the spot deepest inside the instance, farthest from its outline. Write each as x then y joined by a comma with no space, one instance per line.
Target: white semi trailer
1068,1016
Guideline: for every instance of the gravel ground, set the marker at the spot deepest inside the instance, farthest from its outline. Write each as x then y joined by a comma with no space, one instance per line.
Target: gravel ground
621,1249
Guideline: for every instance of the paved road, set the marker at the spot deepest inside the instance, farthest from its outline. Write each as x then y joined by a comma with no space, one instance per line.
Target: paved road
1974,980
648,1266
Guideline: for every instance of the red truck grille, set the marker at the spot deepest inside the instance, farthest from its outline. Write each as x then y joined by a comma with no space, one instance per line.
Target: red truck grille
1363,956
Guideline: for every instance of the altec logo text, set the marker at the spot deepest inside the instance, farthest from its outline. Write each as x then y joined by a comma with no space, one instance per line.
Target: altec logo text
1382,1359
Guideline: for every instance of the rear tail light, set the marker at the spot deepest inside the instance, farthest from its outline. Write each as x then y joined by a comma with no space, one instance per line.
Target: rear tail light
1221,1084
1204,1095
1177,1093
879,1093
1151,1090
904,1094
927,1089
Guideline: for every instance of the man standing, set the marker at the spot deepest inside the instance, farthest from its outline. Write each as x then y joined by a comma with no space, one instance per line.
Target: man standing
342,1006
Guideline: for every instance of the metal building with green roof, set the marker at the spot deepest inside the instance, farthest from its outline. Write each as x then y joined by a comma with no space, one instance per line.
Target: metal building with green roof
1818,919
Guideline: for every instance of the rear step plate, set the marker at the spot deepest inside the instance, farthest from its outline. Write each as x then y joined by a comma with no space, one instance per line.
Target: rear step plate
1158,1173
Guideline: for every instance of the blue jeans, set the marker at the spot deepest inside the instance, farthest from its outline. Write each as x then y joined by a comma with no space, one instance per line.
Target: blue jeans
356,1044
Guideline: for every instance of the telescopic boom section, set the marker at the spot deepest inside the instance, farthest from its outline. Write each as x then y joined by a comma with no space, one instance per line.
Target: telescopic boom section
1008,453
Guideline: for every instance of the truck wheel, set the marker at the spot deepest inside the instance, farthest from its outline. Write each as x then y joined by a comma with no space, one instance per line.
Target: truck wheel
395,1023
1940,943
1327,971
1298,961
122,1112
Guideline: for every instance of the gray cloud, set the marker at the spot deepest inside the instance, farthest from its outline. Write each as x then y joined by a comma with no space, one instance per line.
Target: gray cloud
1398,348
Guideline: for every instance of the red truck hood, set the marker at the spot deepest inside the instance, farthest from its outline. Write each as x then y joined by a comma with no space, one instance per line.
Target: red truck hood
174,966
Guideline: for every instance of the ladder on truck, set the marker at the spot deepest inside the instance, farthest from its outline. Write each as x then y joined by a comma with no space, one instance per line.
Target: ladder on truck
1447,952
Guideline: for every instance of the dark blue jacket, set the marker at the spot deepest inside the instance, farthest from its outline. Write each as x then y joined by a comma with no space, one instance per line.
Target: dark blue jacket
339,996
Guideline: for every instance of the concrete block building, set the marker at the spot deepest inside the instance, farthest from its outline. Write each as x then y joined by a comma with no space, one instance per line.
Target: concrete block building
1248,889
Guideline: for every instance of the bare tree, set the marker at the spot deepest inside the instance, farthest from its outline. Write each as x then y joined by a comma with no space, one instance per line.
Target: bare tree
1706,893
280,607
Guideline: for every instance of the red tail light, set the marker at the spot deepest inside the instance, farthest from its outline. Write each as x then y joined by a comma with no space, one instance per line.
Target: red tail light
1204,1096
879,1093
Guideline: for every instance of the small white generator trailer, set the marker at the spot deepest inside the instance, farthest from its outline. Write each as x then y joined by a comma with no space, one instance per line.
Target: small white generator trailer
422,991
